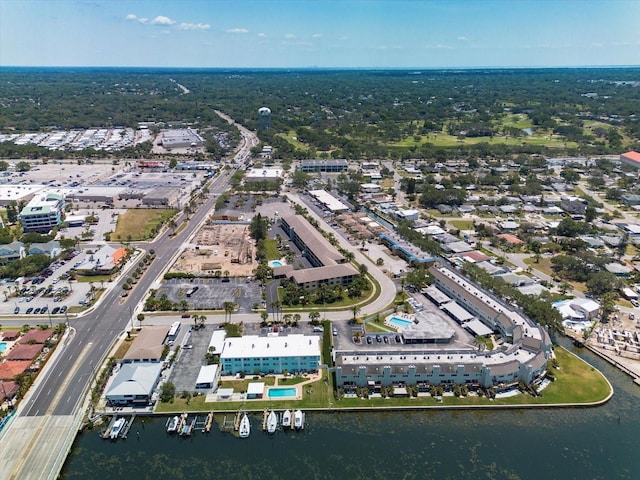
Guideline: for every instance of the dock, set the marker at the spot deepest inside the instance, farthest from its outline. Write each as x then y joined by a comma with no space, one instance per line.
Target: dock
227,424
127,427
236,423
208,422
265,415
106,431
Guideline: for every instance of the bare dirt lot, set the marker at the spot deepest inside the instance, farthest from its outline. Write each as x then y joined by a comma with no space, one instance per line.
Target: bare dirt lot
220,248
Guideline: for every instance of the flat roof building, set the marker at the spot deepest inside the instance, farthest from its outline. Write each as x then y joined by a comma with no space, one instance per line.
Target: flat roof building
181,138
264,175
271,354
330,165
208,377
328,201
44,212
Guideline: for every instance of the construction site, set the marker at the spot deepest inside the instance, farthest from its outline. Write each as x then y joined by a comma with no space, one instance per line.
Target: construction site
219,249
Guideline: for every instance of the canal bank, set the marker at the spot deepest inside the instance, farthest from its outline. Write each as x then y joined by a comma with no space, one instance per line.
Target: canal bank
594,443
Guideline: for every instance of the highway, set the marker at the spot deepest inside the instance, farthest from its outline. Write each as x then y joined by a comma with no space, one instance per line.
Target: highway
56,398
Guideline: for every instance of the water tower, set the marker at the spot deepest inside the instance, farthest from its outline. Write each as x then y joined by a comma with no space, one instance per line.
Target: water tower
264,118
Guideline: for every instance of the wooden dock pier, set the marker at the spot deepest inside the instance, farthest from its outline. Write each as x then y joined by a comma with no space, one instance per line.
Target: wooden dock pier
265,415
209,422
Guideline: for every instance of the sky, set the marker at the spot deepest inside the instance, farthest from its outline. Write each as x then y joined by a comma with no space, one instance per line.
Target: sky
320,33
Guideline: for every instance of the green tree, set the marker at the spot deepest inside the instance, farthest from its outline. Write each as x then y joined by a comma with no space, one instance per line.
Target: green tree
167,392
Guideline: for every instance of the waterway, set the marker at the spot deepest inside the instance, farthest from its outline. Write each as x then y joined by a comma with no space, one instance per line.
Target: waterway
582,443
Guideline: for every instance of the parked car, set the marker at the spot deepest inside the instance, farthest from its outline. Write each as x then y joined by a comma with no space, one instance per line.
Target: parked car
16,310
36,311
369,340
55,310
63,309
378,338
29,310
386,339
44,309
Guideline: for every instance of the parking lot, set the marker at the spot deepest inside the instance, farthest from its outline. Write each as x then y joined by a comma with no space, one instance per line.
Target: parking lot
195,344
23,297
213,292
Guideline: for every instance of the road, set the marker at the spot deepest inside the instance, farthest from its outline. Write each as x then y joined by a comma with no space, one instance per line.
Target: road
60,393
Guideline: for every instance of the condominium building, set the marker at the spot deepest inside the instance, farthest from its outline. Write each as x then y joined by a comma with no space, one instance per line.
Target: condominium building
44,212
272,354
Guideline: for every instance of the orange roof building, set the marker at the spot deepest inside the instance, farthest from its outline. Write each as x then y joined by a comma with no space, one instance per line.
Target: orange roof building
631,158
8,390
118,255
507,237
9,370
36,336
25,352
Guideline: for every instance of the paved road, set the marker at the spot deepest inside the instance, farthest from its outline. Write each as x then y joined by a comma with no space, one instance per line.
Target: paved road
59,394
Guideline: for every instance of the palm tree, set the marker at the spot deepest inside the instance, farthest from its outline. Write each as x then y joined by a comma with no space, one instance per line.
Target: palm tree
314,316
355,309
228,308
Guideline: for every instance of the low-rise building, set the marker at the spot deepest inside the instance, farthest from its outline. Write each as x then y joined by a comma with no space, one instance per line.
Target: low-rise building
272,354
631,159
134,384
329,165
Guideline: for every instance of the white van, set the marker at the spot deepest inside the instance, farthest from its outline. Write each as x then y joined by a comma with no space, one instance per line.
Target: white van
318,329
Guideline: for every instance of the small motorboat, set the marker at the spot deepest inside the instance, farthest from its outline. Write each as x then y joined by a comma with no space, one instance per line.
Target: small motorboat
245,427
286,419
272,422
172,426
114,433
298,420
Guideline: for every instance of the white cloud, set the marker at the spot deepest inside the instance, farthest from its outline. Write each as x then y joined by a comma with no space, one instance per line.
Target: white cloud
131,16
162,20
463,39
194,26
262,35
143,20
289,35
438,46
237,30
316,35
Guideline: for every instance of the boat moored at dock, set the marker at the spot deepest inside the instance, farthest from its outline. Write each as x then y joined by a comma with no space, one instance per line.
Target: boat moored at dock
272,422
172,424
298,420
245,427
286,419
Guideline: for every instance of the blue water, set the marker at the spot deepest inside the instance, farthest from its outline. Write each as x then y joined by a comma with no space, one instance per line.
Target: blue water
281,392
400,322
275,263
3,347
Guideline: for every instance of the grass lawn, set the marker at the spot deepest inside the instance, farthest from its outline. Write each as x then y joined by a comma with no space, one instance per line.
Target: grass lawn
445,140
462,224
544,265
271,249
314,395
292,138
93,278
576,382
291,380
373,327
139,224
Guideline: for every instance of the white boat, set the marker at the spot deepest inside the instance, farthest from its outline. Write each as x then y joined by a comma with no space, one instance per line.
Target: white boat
172,426
117,428
298,420
272,422
286,418
245,427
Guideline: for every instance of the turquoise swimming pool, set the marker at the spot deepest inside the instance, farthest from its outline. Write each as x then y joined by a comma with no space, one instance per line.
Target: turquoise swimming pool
276,263
282,392
3,347
400,322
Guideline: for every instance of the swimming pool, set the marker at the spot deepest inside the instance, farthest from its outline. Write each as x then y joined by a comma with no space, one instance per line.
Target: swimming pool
282,392
275,263
3,347
400,322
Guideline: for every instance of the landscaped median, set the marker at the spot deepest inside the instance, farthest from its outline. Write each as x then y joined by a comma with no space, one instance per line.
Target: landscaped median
576,384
